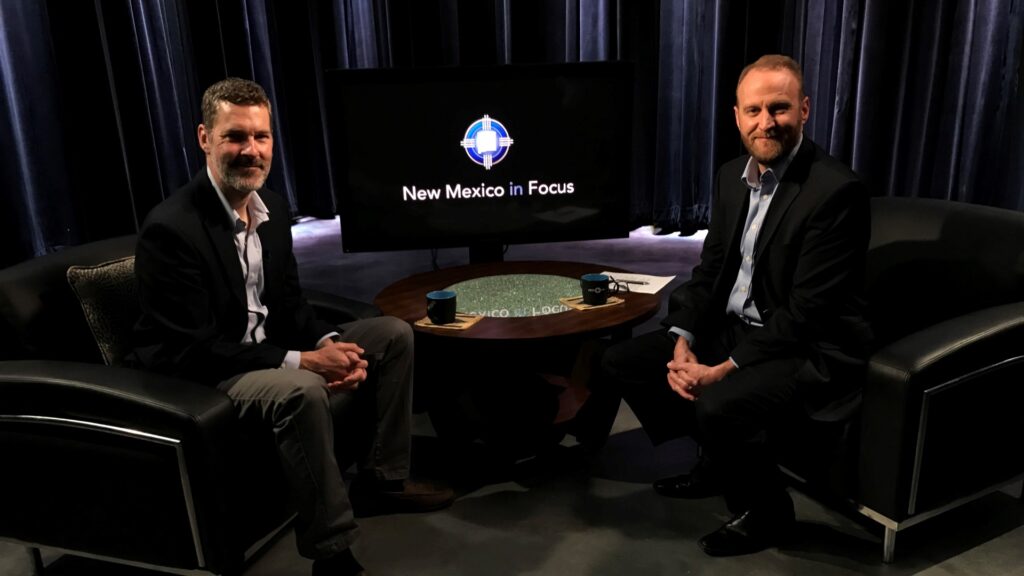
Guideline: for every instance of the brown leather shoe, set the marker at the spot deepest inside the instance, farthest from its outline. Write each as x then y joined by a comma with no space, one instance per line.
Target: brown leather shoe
372,499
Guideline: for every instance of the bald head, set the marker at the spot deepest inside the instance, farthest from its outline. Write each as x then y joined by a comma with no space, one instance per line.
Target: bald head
775,62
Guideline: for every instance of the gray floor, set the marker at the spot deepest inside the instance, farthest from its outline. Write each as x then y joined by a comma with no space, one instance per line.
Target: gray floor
543,520
550,517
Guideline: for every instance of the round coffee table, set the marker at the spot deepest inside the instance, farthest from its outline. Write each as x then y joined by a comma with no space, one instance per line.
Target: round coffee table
406,299
512,382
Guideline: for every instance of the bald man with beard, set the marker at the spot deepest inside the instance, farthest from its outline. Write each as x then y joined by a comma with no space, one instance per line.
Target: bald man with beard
771,329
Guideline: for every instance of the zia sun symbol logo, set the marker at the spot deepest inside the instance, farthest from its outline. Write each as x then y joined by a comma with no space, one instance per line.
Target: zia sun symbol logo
486,142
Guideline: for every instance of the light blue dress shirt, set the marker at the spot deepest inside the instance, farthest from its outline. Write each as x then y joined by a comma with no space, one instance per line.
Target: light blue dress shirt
762,188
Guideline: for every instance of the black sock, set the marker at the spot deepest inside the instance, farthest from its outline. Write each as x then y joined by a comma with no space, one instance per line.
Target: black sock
390,485
370,480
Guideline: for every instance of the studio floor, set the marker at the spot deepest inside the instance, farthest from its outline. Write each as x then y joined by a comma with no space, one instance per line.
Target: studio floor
549,518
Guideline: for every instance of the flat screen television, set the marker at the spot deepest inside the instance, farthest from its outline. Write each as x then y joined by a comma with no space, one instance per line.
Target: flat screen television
480,156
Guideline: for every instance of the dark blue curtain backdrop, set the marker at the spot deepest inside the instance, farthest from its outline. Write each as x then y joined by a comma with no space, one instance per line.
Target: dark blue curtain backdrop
923,98
100,99
34,200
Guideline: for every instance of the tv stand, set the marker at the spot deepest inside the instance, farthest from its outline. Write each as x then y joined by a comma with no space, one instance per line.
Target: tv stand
484,253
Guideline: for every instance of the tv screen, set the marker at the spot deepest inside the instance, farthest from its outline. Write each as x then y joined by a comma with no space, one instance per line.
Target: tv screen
432,158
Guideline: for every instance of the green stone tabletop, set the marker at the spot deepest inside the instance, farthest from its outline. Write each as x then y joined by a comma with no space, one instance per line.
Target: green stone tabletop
515,295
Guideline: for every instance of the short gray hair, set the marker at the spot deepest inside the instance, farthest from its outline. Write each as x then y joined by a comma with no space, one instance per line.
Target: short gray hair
236,91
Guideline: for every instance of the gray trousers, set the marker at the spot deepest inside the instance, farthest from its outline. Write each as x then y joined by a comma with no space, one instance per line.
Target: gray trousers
297,406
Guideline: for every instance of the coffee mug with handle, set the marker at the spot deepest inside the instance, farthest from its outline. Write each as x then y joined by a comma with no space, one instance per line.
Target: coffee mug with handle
441,306
597,288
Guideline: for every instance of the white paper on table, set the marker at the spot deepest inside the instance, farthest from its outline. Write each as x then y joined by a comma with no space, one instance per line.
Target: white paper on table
642,283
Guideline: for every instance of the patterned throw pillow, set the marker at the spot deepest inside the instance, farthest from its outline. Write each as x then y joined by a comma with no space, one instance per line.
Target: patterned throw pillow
110,302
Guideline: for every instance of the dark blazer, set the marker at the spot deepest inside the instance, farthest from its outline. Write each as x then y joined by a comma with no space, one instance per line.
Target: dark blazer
808,265
192,292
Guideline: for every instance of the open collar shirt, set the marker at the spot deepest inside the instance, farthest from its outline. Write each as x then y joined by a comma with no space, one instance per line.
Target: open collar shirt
762,188
250,256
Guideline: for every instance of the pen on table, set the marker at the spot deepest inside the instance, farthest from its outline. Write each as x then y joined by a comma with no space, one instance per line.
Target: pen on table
638,282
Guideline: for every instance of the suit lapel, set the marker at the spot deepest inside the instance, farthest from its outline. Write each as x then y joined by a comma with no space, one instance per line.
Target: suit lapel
221,233
267,234
741,197
785,193
734,199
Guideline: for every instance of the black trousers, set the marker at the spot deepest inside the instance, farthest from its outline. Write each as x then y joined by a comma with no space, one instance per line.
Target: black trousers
732,419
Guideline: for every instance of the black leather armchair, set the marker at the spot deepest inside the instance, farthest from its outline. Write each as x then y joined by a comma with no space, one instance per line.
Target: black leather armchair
943,391
119,464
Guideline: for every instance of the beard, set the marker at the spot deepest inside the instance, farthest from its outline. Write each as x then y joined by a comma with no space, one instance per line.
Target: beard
238,173
769,147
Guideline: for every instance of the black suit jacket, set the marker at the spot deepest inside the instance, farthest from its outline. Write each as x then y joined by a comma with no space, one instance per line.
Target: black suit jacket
808,266
192,292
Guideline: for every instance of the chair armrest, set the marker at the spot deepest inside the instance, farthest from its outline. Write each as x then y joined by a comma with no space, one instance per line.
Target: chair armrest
955,346
116,462
113,396
935,399
339,309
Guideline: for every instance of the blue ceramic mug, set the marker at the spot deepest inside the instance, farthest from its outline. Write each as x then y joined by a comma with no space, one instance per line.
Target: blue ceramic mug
441,306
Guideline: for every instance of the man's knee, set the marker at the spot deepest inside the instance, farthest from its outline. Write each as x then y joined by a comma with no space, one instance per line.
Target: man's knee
306,388
397,334
719,406
399,331
618,360
639,359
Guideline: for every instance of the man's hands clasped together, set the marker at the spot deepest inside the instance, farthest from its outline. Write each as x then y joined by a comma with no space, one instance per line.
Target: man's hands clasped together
340,363
686,376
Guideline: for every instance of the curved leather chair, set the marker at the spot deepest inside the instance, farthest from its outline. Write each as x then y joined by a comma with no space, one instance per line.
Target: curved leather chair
940,419
119,464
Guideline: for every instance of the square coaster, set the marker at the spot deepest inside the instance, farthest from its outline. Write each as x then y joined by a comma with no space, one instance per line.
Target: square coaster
576,302
462,322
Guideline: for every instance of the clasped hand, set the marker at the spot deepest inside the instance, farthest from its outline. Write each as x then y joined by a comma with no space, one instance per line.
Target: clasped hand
340,363
686,376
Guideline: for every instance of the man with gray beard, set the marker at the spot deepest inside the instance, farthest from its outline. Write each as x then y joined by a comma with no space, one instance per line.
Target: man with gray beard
222,305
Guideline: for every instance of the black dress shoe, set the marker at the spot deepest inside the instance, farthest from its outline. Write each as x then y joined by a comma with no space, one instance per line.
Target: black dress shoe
749,532
697,484
593,421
